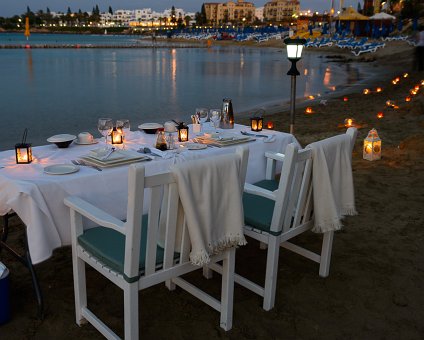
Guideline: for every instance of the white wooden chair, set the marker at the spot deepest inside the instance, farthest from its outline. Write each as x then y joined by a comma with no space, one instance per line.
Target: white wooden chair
277,211
128,254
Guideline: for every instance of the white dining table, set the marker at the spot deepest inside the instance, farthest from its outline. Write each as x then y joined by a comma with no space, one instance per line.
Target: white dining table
37,198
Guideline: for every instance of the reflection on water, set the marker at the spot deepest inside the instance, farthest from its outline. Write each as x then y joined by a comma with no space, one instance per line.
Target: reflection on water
53,91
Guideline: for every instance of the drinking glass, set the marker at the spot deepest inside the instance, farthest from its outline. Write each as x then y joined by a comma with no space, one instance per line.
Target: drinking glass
215,116
105,126
202,114
124,125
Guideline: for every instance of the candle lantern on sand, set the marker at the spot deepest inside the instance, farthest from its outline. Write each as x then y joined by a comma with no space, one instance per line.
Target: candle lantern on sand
23,151
349,122
372,146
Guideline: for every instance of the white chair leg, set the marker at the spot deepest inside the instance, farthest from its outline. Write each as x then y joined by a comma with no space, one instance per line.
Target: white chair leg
207,272
80,289
327,247
170,285
131,310
271,273
227,290
263,245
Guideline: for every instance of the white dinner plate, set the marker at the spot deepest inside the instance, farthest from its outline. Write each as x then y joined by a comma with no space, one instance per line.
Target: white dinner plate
61,169
61,138
149,126
89,143
195,146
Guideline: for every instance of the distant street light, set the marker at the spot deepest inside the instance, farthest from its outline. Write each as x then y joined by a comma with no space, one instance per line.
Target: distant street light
294,54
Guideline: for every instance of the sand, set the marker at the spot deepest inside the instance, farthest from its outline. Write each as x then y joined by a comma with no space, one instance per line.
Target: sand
375,287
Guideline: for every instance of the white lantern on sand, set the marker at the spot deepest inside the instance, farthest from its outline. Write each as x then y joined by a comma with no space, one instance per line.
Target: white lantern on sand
372,146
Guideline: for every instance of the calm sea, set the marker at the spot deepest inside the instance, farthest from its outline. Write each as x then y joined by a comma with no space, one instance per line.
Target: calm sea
54,91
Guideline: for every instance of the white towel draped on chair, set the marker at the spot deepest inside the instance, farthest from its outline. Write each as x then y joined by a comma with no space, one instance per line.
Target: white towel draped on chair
210,233
332,182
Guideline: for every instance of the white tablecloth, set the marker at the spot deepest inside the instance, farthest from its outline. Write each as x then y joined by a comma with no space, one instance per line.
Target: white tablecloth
37,197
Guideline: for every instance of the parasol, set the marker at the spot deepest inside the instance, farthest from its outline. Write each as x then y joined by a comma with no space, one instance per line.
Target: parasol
27,33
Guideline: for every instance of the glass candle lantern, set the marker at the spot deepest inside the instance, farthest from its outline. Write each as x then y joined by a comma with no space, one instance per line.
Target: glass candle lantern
182,132
349,122
23,150
117,136
23,153
256,123
372,146
270,125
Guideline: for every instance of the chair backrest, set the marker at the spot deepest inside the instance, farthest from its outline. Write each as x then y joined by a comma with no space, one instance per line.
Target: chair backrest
164,210
294,203
294,193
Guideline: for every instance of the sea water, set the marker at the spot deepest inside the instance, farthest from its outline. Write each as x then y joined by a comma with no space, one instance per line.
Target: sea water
52,91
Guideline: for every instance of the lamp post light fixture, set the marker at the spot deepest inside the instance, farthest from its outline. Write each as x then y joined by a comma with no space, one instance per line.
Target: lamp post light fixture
294,54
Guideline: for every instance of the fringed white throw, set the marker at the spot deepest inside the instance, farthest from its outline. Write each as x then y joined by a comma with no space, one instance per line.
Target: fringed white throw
210,194
332,182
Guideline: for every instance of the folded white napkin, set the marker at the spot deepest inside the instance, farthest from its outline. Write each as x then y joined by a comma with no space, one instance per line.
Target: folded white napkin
103,154
332,182
210,195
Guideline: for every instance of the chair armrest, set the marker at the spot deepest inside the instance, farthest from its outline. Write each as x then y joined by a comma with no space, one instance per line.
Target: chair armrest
275,155
255,190
271,162
94,214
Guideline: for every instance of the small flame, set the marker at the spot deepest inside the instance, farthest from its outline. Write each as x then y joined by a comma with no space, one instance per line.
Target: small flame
367,91
380,115
308,110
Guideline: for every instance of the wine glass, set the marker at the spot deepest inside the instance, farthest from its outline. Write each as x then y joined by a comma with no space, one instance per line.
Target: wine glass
105,126
202,114
215,116
124,125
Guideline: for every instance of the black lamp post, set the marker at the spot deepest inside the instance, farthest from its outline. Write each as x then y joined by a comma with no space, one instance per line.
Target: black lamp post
294,54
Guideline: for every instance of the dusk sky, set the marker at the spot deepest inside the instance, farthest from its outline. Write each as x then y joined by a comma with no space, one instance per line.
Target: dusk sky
11,7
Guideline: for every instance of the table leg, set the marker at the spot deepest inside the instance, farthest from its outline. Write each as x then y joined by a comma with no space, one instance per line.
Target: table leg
25,260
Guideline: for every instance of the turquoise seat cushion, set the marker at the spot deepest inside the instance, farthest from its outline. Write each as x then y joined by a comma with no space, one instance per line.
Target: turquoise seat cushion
258,210
108,246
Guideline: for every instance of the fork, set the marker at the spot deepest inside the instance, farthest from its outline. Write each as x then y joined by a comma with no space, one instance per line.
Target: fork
82,163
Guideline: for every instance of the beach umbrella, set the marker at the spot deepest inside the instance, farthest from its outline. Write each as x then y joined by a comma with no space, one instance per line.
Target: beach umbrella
350,14
382,16
27,33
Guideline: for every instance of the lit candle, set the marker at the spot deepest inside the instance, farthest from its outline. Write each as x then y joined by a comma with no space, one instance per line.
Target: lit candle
378,89
308,110
408,99
311,97
270,125
349,122
367,91
368,148
345,99
405,75
380,115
